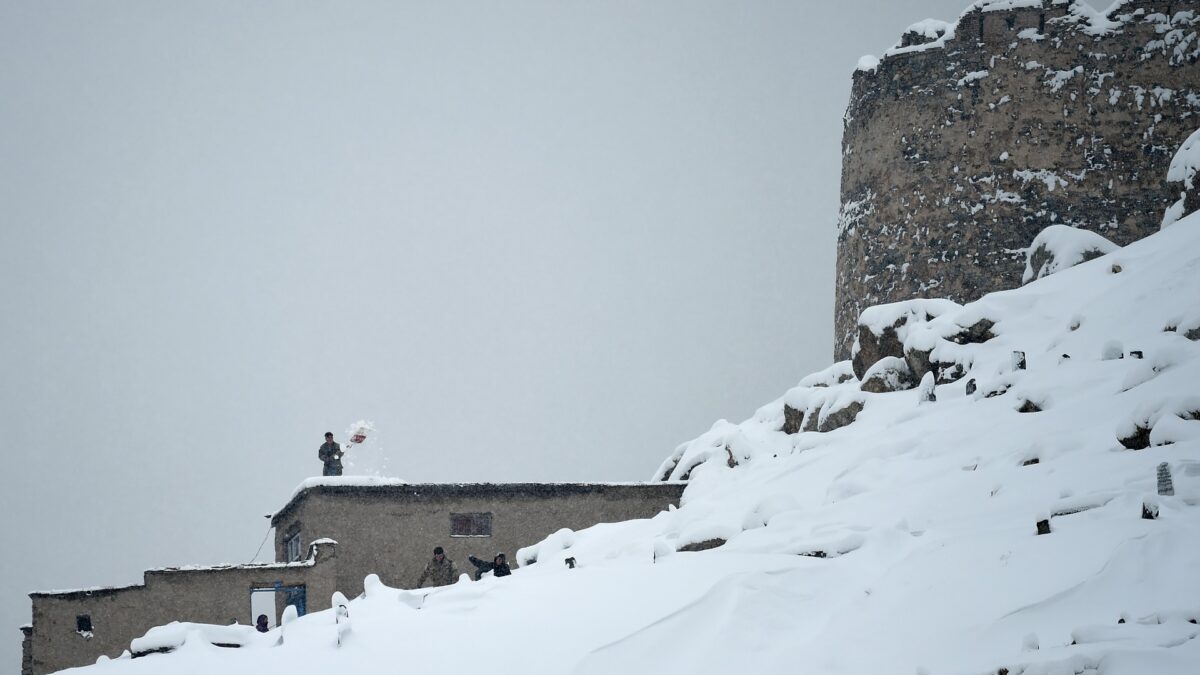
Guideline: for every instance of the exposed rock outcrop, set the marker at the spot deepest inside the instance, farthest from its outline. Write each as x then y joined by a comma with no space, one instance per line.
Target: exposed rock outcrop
888,374
840,417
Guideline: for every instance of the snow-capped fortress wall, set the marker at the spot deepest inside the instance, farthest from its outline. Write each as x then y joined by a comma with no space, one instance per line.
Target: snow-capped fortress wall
966,140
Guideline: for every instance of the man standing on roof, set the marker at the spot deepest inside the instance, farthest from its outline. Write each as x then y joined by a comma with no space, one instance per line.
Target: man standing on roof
331,454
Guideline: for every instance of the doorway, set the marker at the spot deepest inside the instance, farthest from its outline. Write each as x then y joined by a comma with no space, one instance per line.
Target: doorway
273,599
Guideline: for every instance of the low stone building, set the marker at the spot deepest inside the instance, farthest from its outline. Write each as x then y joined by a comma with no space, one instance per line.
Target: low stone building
329,536
74,628
391,530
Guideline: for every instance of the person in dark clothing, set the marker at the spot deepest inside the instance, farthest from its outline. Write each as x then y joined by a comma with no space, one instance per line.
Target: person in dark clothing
331,454
261,624
498,567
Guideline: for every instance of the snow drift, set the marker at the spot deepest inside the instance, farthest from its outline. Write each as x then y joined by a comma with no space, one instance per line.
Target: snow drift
1008,518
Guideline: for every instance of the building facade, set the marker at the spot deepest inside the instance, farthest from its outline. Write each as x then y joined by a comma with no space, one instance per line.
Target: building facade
329,536
392,530
74,628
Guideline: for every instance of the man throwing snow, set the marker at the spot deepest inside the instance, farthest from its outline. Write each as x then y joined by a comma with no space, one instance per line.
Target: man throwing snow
331,454
440,571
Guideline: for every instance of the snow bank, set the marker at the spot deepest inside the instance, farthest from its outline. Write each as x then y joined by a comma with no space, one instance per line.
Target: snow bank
879,317
957,535
175,634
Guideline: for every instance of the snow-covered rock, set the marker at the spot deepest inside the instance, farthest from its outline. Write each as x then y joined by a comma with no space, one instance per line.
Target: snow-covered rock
1061,246
1184,167
890,373
883,329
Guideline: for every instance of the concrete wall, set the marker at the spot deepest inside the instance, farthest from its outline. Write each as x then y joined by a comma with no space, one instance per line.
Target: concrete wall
931,207
391,530
202,595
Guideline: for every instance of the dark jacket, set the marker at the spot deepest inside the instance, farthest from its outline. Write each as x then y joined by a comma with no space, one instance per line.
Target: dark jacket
483,566
331,454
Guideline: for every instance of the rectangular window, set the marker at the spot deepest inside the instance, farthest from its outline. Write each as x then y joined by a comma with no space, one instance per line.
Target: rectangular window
292,548
470,524
83,623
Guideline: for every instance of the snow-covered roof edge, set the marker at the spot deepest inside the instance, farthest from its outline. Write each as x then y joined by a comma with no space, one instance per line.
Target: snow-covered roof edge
391,485
106,590
89,591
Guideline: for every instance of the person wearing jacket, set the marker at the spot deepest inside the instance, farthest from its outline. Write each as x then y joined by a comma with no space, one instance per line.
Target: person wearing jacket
331,454
498,567
440,571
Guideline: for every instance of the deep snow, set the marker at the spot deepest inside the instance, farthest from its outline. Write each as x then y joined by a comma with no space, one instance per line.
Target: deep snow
905,542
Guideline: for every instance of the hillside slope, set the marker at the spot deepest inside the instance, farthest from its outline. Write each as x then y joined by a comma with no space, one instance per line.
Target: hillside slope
903,539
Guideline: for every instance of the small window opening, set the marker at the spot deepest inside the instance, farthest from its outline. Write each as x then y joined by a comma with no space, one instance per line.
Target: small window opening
470,524
292,548
83,623
1041,23
981,26
1011,21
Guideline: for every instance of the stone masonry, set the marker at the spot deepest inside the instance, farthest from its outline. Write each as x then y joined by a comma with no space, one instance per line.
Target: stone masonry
27,649
216,595
329,536
966,140
390,530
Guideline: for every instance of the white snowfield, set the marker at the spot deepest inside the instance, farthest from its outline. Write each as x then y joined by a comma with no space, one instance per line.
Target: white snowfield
906,542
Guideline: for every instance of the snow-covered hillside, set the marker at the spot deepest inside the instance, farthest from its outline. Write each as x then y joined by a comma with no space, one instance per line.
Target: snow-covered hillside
902,539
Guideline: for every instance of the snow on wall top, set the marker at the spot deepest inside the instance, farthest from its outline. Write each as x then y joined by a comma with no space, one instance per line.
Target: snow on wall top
88,591
397,487
936,33
345,481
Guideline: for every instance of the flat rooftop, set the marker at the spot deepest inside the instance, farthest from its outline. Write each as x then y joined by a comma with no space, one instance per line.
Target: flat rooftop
369,486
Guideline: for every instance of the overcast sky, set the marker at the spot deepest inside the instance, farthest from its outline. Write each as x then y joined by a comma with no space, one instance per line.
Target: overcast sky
530,241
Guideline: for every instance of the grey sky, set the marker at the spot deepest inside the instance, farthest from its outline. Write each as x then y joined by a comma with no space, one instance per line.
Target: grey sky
530,241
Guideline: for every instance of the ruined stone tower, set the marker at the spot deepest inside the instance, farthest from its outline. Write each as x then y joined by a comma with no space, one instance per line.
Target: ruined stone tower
967,139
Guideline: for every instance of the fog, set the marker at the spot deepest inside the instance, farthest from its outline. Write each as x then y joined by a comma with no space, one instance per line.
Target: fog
529,241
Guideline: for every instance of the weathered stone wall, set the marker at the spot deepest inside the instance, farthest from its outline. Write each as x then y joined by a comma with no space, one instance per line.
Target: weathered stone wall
391,530
957,151
388,530
26,650
202,595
